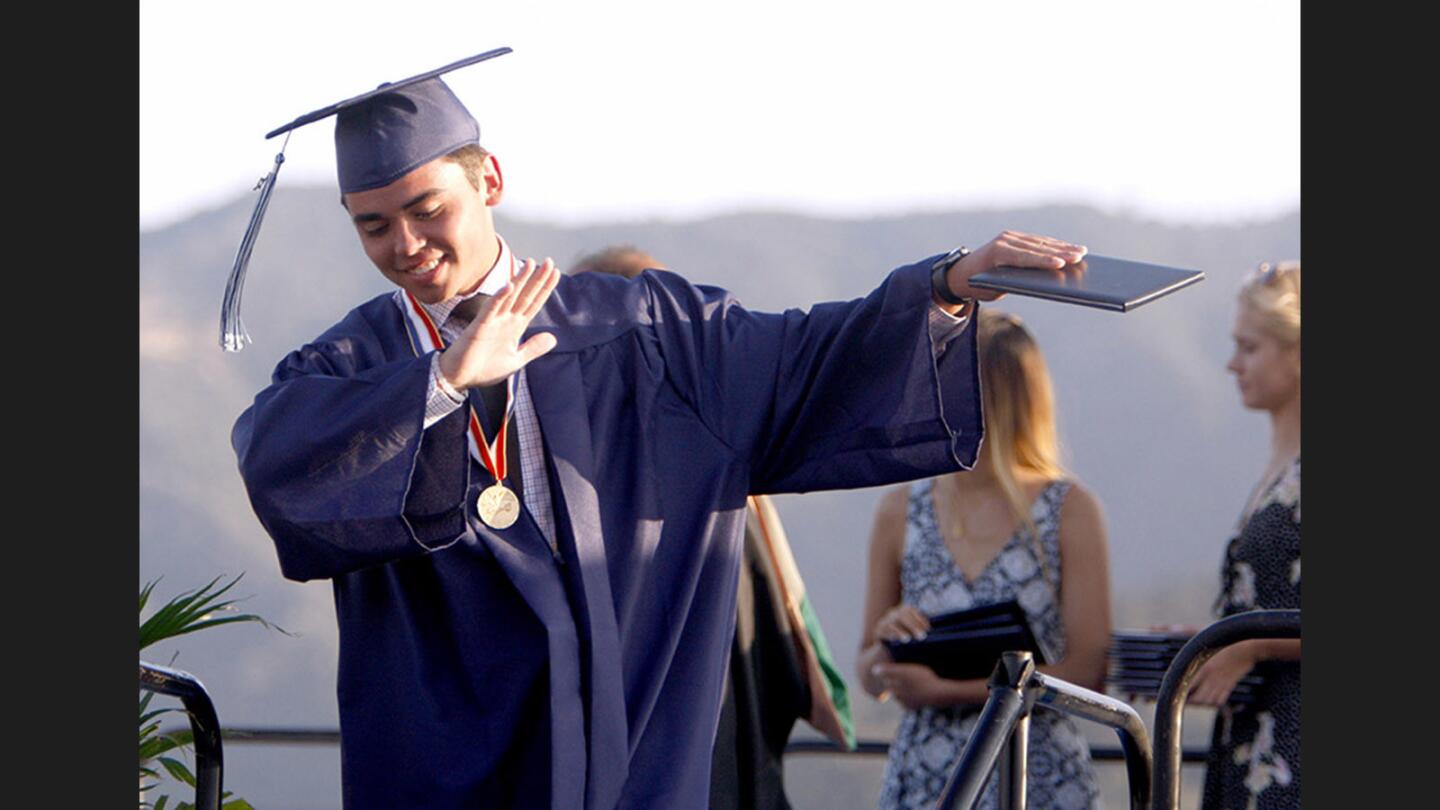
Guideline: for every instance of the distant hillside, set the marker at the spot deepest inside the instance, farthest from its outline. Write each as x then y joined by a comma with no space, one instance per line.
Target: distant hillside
1150,419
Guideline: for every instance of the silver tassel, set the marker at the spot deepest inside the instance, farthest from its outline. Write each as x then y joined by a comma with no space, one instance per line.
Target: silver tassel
233,336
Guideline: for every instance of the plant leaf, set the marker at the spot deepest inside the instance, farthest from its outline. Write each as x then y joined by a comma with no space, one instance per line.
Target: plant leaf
172,617
158,745
180,609
239,617
194,610
151,747
161,802
148,716
178,770
235,804
145,592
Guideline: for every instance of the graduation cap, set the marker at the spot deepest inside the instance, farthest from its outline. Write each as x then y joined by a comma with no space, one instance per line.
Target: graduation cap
380,136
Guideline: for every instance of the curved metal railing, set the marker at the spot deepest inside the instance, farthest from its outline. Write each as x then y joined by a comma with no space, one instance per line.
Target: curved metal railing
1015,688
1170,703
204,723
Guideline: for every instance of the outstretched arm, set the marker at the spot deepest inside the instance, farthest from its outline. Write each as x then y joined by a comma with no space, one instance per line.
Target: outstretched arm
848,394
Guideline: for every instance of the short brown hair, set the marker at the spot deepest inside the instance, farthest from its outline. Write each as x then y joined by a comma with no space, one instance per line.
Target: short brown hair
620,260
471,158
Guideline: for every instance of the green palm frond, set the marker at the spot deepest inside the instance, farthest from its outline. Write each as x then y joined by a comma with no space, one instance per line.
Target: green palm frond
178,770
193,610
145,592
161,743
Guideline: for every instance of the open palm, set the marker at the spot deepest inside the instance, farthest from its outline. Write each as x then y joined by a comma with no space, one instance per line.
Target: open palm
489,350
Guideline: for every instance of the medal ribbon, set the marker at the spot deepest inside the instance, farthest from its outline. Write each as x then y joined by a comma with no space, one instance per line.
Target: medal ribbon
490,454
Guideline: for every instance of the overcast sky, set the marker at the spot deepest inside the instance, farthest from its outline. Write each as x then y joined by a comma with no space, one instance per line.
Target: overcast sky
633,109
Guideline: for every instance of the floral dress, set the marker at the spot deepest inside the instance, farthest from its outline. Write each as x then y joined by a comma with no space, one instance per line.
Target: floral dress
1255,750
928,742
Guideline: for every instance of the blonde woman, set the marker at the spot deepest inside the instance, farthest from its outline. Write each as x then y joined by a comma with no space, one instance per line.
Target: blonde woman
1016,527
1255,749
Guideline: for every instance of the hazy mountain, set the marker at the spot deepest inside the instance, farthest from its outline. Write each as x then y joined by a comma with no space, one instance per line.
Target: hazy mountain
1151,422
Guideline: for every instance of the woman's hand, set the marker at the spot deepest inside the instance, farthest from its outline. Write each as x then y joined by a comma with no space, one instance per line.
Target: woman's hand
914,685
902,623
1218,676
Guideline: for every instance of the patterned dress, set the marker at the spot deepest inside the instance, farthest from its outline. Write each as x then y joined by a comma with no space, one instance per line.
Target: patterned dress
929,741
1255,750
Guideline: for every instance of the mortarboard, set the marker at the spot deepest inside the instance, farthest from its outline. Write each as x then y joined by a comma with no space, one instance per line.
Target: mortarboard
380,136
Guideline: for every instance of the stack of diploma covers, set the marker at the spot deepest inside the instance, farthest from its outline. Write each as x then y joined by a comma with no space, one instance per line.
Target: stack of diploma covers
1139,658
966,644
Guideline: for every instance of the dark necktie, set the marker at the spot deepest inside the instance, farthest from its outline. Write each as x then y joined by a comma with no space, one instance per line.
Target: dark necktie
492,398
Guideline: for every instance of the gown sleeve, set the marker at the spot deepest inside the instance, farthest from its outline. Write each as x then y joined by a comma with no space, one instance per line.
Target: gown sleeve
337,462
846,395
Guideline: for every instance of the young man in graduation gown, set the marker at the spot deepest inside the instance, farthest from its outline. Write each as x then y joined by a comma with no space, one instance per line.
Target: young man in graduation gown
562,642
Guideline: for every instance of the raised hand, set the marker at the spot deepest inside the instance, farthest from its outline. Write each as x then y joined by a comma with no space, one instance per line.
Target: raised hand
1011,249
489,350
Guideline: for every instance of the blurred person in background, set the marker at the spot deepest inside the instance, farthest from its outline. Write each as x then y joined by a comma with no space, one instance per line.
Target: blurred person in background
626,261
1016,527
781,669
1255,749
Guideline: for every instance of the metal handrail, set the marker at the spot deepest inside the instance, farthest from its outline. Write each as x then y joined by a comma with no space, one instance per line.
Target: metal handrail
204,723
1175,686
1015,687
864,746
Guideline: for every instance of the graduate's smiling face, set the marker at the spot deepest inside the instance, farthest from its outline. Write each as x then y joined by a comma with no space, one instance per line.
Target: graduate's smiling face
431,232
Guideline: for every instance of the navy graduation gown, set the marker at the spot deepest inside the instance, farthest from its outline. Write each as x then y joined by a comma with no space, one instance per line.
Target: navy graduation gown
476,668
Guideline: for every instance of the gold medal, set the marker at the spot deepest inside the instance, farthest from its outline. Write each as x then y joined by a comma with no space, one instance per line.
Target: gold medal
498,506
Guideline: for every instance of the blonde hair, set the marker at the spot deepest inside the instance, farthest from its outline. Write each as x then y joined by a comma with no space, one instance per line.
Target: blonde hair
1273,293
1019,403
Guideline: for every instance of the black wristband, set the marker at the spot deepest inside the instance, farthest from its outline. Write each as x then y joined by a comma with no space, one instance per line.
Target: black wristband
938,283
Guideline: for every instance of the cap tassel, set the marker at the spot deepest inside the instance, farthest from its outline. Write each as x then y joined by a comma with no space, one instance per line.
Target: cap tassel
233,336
